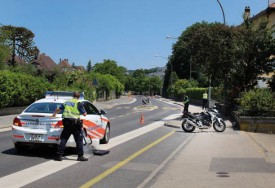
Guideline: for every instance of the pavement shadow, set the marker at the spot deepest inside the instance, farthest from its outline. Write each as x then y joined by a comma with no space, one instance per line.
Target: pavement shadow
45,152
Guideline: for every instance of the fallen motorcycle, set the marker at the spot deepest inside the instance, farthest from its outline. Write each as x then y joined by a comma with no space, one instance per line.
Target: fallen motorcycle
203,120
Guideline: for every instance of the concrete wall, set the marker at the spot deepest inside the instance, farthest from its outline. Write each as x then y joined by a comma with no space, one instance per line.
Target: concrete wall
12,110
255,124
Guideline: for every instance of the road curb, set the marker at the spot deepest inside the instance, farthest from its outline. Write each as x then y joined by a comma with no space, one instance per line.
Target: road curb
174,124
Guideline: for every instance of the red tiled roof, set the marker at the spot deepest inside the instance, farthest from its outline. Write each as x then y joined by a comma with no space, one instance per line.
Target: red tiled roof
272,5
45,62
81,68
64,64
18,60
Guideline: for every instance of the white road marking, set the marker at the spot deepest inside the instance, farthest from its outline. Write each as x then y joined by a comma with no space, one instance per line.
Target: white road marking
5,129
29,175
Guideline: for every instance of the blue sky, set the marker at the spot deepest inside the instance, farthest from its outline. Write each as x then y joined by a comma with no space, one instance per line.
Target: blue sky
130,32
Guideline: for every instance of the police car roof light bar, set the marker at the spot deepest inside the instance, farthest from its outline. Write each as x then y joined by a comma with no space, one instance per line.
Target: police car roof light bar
62,94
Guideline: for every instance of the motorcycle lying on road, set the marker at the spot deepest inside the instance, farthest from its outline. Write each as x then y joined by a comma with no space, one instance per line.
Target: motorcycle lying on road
203,120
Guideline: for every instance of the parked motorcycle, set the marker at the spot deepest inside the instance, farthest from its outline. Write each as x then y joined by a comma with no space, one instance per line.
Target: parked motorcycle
203,120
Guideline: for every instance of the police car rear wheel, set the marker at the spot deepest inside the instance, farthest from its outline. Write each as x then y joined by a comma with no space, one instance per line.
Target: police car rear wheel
106,137
20,148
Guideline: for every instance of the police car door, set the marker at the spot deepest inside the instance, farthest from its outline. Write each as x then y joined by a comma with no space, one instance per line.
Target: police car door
92,121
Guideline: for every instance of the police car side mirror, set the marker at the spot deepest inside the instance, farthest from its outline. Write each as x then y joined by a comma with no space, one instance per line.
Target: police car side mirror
102,112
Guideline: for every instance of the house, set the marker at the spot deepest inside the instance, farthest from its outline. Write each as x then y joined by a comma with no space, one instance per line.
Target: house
65,66
45,63
266,15
80,68
17,60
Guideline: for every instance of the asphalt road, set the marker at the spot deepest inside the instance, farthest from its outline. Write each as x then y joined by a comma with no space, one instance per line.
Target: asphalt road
136,150
145,155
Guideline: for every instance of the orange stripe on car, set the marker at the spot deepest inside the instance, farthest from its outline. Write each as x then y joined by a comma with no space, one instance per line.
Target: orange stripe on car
101,130
89,123
104,119
91,135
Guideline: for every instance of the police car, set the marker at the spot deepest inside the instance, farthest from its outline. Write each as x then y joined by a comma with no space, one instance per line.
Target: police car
35,125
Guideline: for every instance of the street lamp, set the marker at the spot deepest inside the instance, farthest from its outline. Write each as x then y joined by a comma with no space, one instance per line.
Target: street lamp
224,84
171,37
222,11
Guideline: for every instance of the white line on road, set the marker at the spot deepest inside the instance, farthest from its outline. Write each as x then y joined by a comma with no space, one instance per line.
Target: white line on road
29,175
5,129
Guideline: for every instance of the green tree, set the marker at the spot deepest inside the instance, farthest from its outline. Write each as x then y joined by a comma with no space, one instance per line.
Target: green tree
20,41
256,47
241,54
181,86
4,50
138,83
271,83
89,66
155,84
110,67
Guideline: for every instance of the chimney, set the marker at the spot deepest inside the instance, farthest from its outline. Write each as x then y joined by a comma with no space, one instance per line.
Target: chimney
246,13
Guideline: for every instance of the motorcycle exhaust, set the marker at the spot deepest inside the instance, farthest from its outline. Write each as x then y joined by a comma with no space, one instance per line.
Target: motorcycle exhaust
191,122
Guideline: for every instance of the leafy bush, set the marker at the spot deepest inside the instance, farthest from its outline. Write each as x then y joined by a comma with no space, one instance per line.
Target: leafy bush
258,102
17,89
181,86
196,93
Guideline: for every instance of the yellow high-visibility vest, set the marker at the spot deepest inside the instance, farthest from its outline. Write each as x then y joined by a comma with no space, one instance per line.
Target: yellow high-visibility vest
204,96
71,109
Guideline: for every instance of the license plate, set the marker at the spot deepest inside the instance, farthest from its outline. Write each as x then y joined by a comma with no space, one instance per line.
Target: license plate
36,138
43,126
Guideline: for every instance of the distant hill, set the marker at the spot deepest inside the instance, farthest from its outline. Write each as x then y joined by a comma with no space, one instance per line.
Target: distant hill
147,71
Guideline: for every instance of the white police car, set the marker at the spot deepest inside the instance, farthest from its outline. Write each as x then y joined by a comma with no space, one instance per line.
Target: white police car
35,125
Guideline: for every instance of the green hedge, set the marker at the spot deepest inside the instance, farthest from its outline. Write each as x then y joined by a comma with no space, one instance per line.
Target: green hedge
195,93
20,89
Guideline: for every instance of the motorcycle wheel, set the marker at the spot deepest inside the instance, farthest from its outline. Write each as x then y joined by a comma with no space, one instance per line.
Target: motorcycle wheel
187,127
219,126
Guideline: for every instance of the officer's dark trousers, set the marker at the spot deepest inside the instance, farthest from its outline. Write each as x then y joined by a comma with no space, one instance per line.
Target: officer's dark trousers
204,102
185,109
71,126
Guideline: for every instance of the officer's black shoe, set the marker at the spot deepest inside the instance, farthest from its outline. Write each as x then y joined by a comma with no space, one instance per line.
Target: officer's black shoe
58,158
81,158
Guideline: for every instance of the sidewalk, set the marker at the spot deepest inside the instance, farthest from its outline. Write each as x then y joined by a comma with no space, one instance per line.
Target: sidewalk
209,159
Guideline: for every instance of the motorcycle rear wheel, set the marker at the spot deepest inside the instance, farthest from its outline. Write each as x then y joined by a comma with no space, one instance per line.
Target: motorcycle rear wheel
187,127
219,126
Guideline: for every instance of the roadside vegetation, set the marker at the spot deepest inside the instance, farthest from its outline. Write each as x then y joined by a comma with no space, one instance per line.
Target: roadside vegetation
21,82
228,59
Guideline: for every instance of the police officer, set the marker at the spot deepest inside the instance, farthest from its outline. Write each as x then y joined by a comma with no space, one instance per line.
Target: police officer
204,100
185,103
72,125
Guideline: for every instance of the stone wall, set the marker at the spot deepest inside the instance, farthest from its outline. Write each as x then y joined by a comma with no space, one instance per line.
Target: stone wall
255,124
11,110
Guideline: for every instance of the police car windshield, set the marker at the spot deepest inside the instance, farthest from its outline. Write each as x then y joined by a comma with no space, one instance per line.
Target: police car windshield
43,107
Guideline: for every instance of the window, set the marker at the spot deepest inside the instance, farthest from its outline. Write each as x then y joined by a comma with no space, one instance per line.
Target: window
90,108
43,107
